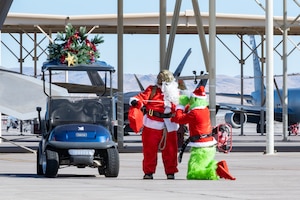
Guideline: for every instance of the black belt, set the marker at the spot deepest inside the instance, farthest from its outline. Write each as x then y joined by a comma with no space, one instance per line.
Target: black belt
158,114
191,139
200,136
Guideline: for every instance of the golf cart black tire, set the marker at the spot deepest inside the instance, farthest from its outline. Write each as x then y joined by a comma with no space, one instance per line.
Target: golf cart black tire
39,167
52,165
112,163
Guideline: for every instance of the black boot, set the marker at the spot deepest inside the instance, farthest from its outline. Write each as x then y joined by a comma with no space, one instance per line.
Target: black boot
148,176
170,176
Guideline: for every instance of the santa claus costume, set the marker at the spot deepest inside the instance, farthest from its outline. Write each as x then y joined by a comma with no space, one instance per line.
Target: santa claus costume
159,133
202,164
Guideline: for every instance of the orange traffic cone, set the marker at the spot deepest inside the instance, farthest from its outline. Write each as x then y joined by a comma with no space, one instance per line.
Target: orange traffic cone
223,171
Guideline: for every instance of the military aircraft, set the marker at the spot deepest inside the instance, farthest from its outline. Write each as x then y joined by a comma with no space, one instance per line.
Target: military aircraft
252,112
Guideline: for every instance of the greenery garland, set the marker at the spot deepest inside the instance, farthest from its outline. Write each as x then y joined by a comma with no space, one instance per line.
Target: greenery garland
73,47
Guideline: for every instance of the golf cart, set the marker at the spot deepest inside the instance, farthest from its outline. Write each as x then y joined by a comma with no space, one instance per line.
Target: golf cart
77,130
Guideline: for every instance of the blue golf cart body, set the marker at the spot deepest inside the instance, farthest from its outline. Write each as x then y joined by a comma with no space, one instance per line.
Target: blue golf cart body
77,129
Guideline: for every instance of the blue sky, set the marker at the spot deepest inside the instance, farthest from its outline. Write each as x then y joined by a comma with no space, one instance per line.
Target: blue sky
141,52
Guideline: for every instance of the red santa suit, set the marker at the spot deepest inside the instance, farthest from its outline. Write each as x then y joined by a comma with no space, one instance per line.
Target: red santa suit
156,122
198,120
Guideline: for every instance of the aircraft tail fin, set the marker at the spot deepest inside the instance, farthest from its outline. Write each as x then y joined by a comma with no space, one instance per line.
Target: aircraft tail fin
176,73
182,63
95,78
139,83
256,66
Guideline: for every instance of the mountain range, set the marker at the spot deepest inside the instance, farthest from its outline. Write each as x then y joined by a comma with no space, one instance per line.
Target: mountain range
224,83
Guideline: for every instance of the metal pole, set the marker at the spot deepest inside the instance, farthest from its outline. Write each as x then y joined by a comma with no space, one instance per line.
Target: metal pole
284,70
172,34
21,60
262,89
120,108
0,121
242,118
162,32
201,31
0,65
269,74
35,55
212,61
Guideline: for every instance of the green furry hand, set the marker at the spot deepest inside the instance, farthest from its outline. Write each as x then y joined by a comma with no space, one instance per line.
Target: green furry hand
184,100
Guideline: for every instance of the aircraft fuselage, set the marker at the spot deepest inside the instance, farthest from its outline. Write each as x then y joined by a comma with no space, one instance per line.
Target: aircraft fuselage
293,104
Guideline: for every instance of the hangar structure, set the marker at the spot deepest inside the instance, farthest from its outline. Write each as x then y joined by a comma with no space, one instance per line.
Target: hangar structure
144,23
186,22
162,23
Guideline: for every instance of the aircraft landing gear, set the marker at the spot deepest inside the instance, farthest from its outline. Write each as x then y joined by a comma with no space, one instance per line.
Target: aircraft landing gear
258,128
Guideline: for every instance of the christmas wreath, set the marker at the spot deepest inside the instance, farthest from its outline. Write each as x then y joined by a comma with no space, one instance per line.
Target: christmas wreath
73,47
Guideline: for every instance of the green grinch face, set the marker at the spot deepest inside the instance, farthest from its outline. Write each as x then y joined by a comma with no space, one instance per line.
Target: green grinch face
197,102
184,100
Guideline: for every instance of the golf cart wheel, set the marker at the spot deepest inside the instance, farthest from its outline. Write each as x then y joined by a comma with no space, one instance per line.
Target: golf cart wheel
50,168
111,163
39,165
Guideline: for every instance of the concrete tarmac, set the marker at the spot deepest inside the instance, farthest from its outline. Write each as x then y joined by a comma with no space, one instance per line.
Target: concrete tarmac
258,175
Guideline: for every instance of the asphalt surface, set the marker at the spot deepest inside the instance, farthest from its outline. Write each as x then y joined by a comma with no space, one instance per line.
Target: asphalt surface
258,175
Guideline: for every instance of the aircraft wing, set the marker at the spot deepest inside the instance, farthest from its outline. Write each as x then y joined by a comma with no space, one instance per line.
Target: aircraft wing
5,6
238,107
79,88
241,108
21,94
246,97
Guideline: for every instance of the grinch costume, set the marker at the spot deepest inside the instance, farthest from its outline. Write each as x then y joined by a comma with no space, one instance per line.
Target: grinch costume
202,164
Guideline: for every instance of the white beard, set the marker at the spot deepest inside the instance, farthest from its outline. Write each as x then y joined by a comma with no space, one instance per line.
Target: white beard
171,93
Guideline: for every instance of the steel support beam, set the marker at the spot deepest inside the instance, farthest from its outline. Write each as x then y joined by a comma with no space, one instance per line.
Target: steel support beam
162,33
212,61
284,71
120,104
172,34
269,82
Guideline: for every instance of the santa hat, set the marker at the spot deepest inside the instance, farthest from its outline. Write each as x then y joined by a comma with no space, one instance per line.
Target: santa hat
199,93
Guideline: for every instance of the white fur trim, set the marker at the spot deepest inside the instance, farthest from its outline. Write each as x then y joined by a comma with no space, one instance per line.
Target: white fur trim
167,110
199,107
200,97
179,107
131,99
171,126
153,123
203,144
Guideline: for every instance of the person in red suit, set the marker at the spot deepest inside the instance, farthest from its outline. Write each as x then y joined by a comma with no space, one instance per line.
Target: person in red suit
159,133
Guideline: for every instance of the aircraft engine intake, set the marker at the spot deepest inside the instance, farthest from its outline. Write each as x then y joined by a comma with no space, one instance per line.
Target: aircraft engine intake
234,119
